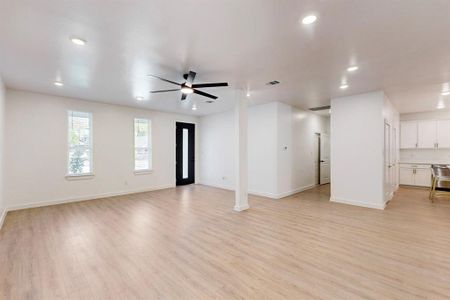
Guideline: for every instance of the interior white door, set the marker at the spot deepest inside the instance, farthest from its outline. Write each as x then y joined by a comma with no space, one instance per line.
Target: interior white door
443,134
426,134
408,134
387,161
394,170
324,158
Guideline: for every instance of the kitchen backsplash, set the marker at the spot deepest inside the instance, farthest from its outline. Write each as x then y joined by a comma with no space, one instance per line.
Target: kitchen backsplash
440,156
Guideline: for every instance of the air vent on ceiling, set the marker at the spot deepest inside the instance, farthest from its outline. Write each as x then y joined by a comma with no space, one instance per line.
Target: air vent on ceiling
320,108
209,101
275,82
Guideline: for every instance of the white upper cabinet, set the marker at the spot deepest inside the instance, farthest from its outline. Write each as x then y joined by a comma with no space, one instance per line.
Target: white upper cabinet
408,134
443,134
426,134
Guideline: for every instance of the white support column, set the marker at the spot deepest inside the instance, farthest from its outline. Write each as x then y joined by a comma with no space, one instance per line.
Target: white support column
241,129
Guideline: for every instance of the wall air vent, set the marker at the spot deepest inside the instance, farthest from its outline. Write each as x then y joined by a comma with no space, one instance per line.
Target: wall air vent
275,82
320,108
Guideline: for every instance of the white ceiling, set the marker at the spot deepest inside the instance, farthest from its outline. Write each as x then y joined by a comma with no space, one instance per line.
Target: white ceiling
401,46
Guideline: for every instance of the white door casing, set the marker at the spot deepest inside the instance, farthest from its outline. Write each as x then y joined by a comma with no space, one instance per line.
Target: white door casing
324,158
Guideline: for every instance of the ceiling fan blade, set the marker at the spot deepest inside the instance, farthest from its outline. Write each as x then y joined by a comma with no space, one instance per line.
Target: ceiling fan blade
204,94
183,97
190,78
166,80
164,91
207,85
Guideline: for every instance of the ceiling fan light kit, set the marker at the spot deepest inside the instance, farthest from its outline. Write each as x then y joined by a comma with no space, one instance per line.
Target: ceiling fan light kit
187,90
189,87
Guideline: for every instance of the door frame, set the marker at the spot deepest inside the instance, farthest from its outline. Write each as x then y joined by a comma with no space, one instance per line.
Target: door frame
387,162
321,134
196,152
318,163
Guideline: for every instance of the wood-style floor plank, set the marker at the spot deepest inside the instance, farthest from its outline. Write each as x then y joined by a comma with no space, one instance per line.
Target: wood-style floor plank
188,243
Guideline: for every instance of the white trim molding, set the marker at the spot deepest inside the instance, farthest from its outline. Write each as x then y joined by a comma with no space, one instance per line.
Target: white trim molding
85,198
380,206
241,208
3,217
263,194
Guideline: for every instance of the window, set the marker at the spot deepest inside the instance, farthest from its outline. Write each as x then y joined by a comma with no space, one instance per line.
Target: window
80,143
142,145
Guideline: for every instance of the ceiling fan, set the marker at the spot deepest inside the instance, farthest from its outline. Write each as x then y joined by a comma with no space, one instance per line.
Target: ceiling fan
189,87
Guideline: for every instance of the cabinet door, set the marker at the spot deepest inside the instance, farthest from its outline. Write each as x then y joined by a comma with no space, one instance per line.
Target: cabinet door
408,134
406,176
426,134
443,133
423,177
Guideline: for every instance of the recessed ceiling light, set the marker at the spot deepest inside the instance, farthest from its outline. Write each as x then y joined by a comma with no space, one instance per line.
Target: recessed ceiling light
446,93
343,86
309,19
139,98
78,41
58,83
194,107
352,68
440,106
187,90
248,94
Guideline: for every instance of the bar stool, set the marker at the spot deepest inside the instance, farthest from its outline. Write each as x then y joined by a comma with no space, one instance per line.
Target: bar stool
440,181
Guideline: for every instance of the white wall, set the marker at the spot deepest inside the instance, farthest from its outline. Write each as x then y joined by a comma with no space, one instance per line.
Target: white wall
280,149
217,150
443,114
297,132
217,146
262,149
2,147
357,140
36,145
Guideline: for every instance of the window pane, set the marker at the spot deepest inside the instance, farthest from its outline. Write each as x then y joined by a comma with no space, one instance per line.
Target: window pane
142,147
80,148
141,159
185,153
79,160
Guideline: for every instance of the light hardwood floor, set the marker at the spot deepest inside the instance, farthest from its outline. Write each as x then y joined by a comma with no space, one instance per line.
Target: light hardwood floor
187,243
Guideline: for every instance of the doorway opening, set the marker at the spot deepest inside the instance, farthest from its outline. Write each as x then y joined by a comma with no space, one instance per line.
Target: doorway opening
322,159
185,153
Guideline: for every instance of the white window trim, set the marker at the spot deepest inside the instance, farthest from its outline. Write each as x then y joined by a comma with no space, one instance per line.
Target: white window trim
143,172
90,174
150,146
85,176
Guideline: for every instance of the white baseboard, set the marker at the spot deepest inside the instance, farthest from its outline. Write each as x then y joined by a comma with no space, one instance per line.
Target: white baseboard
2,217
219,186
380,206
84,198
262,194
295,191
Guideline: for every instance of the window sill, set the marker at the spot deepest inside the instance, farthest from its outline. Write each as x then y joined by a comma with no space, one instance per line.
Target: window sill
80,177
143,172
